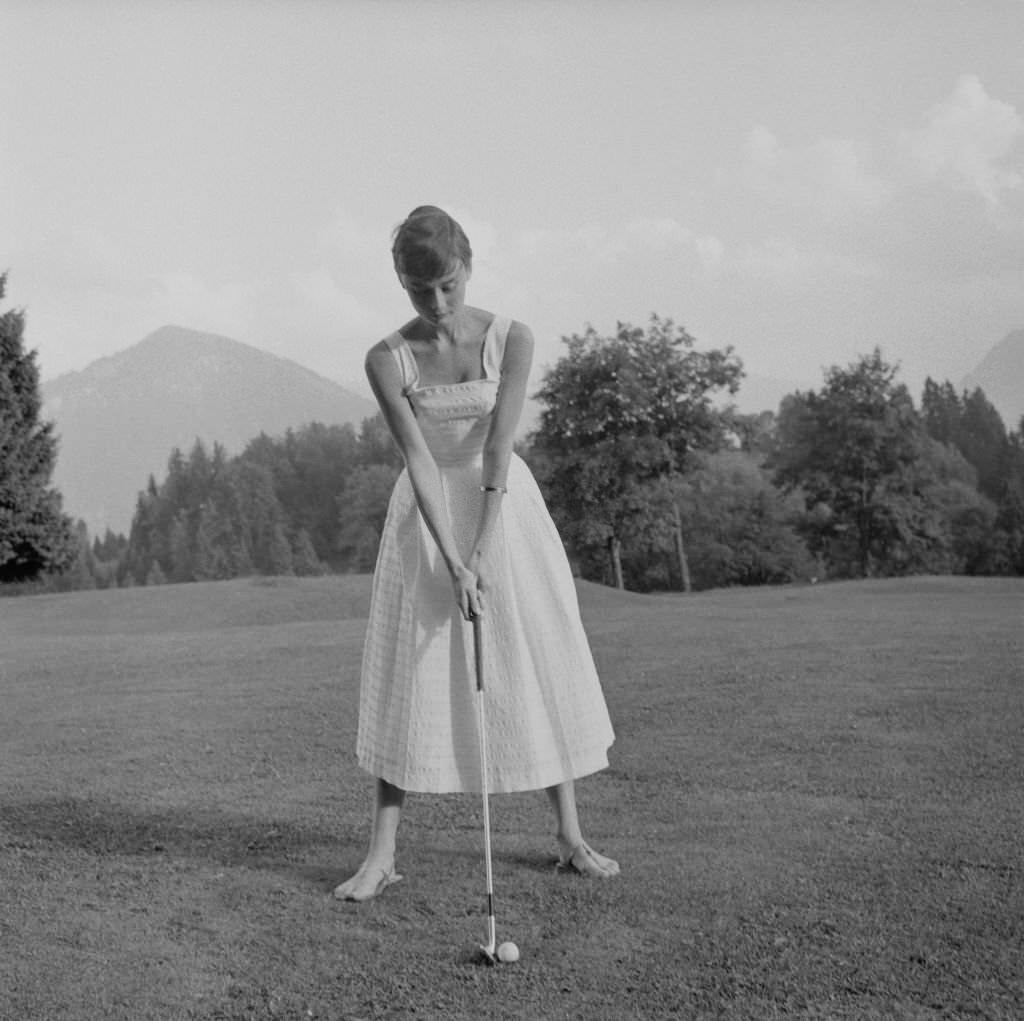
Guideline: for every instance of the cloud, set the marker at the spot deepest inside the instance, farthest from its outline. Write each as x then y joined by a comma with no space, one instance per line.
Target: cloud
352,246
185,299
482,234
710,252
971,141
597,246
590,243
827,176
658,233
783,261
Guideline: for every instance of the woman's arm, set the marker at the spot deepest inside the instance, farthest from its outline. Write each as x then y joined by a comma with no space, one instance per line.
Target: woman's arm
515,373
386,381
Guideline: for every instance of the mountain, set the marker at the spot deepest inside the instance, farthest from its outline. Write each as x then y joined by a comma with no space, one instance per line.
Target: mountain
119,418
1001,375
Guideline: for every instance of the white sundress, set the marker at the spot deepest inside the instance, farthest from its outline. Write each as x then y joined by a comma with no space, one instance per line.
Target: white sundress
546,715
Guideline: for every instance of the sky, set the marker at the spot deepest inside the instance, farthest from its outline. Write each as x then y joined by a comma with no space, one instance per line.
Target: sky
801,181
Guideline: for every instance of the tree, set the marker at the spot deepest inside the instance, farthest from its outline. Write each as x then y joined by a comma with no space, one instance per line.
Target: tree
744,529
971,425
304,559
850,449
145,542
309,468
376,445
363,508
621,416
35,534
963,519
81,573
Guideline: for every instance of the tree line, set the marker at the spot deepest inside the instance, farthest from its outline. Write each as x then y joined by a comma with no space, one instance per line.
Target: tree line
654,480
655,486
310,502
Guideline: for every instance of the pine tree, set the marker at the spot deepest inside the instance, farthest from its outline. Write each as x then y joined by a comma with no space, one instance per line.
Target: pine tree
305,562
35,535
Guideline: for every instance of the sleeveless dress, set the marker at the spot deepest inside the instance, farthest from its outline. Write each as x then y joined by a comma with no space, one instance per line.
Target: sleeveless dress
546,715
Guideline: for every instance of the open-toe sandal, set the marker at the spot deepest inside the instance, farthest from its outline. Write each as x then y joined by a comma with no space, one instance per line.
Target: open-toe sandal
363,890
582,862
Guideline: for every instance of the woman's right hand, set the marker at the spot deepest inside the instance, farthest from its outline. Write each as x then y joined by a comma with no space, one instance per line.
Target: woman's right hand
468,596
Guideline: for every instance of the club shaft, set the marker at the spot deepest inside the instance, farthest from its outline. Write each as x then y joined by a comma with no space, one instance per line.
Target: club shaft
482,726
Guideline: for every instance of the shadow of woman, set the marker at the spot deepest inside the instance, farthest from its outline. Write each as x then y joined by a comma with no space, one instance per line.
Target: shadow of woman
107,828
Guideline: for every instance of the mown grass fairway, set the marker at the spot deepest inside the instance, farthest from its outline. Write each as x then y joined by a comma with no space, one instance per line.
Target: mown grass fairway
816,795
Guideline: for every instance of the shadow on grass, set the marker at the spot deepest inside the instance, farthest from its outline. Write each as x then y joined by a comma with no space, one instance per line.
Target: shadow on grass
109,829
532,861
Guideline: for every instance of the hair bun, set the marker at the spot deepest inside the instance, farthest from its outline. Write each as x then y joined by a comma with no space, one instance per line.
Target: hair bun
428,243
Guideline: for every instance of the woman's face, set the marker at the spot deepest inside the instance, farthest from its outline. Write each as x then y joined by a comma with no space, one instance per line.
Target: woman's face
437,301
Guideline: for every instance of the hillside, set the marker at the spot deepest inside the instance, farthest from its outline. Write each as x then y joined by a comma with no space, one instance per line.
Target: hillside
120,417
1001,375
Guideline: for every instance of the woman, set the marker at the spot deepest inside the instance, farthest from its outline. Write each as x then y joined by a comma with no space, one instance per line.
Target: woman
467,534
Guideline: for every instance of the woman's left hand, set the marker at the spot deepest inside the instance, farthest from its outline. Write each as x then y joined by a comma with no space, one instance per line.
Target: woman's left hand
466,585
481,585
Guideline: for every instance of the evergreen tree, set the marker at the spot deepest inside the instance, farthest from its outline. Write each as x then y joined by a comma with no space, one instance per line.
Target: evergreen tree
304,559
214,543
279,552
362,510
35,535
971,425
308,468
155,575
1011,507
984,443
376,445
145,543
108,557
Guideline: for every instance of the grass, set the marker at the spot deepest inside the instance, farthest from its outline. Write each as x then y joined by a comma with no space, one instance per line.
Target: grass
816,795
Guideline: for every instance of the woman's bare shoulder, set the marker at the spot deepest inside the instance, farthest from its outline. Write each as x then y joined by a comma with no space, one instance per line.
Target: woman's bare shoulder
380,364
520,334
379,350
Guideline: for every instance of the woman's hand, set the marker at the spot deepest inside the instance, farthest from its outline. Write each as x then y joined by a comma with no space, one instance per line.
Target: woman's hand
468,593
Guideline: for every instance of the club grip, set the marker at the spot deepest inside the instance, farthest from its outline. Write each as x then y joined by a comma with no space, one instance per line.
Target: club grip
478,652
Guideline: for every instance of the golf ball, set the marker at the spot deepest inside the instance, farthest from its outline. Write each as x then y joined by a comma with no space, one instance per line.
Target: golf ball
508,952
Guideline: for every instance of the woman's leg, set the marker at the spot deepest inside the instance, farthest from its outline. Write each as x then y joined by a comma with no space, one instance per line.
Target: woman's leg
576,854
378,869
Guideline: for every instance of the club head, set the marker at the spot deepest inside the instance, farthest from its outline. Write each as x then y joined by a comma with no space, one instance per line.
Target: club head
488,955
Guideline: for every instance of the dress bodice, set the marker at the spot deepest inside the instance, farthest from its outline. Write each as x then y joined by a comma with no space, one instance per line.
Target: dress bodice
454,417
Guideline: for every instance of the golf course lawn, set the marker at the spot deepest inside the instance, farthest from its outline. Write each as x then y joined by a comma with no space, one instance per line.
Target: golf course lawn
816,795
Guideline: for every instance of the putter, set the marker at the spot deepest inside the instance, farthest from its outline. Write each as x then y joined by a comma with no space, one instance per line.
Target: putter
490,951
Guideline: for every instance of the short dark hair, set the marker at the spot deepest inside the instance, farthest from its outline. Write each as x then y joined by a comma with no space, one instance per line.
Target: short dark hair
428,243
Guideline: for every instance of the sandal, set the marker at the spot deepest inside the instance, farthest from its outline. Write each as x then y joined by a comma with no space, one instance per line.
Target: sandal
585,862
358,888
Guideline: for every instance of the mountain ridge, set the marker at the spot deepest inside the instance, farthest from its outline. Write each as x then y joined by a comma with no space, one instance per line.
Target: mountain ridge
119,418
1000,374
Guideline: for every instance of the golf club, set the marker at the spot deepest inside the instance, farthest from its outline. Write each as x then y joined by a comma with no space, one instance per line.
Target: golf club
490,950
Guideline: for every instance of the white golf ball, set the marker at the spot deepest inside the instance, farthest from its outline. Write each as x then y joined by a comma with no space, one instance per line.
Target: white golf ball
508,952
